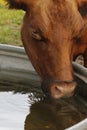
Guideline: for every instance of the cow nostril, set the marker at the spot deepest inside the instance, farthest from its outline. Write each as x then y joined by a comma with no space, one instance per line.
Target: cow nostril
55,92
55,89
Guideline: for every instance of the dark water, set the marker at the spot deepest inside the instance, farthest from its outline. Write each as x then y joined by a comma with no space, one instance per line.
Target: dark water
24,107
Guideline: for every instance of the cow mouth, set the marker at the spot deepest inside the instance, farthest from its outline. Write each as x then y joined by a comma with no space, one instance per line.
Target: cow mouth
57,89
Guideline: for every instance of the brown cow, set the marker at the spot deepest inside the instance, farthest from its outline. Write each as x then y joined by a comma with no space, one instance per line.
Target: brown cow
54,34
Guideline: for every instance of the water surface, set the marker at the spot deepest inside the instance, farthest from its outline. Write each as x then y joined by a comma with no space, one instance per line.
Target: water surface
24,107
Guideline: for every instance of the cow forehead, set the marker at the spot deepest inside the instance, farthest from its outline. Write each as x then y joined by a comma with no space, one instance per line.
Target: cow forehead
61,14
52,12
57,8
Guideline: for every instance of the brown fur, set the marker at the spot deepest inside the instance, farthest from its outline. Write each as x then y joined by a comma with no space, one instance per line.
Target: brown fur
53,34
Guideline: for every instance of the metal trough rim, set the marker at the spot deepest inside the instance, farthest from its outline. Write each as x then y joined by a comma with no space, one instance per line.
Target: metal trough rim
19,52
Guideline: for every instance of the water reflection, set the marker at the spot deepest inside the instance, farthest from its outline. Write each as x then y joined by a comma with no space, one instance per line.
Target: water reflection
55,115
25,107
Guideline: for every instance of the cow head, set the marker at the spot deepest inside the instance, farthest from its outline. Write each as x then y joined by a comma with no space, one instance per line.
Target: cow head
48,30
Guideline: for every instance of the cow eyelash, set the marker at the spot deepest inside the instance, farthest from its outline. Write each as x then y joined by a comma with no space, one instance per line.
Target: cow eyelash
36,35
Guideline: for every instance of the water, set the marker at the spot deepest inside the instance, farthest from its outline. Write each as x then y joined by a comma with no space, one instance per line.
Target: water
24,107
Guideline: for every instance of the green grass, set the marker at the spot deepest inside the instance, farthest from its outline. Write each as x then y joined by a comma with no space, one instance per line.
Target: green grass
10,26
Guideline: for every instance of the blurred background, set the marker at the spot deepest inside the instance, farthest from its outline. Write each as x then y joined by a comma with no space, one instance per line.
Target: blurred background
10,25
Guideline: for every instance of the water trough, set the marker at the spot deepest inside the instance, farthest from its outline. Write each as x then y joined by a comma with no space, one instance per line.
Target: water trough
15,67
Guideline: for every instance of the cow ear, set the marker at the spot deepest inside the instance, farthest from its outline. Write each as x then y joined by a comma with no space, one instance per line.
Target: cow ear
17,4
82,7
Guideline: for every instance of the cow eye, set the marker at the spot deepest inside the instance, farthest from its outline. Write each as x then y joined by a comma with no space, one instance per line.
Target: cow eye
36,35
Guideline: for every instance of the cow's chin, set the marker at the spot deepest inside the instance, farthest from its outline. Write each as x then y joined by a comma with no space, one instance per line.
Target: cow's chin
59,90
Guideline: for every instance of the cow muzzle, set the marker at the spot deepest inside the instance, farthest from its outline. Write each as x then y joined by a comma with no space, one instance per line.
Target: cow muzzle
57,89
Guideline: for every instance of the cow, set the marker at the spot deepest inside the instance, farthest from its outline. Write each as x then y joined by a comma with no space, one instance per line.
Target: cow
54,34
